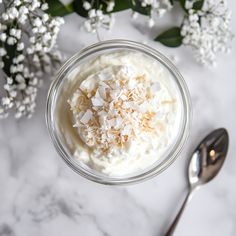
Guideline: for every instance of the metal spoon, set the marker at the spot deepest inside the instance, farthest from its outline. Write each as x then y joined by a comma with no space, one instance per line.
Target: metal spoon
206,161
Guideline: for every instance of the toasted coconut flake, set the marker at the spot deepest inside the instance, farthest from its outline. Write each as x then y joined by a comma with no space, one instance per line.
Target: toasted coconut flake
97,102
114,107
123,97
168,101
102,92
114,94
132,83
86,117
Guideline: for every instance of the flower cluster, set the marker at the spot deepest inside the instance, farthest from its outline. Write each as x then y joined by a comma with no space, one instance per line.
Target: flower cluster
96,17
158,8
207,30
99,14
27,42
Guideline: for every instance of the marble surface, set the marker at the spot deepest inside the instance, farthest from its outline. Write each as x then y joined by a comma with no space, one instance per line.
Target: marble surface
40,195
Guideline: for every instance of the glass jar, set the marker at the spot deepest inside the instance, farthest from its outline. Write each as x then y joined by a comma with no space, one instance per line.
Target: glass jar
59,139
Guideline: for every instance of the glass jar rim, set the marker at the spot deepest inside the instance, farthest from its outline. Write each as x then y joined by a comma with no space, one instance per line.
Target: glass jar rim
120,44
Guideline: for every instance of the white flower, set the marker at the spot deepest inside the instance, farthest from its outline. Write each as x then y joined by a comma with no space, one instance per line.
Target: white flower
13,69
46,37
15,32
9,80
56,30
23,10
34,81
11,41
99,13
6,101
12,31
151,22
161,12
32,39
207,31
20,46
5,16
38,47
134,15
22,19
39,41
3,52
157,6
13,13
88,26
35,30
37,22
18,34
13,93
110,5
20,67
86,5
42,29
92,13
7,87
97,19
45,17
36,58
18,115
35,4
21,108
20,58
189,4
17,2
44,6
21,86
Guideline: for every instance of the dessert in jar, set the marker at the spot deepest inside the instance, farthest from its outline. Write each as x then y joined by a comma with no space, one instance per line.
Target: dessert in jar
119,112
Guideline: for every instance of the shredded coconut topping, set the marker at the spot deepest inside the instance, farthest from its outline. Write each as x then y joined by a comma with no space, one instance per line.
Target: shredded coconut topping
115,106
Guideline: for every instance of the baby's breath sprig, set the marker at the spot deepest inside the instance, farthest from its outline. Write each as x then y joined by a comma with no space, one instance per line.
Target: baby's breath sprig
205,29
99,12
98,15
27,49
157,8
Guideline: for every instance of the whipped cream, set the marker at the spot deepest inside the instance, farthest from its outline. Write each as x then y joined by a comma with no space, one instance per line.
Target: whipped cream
123,112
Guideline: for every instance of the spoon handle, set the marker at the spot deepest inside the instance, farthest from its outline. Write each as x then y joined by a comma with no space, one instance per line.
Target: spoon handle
171,230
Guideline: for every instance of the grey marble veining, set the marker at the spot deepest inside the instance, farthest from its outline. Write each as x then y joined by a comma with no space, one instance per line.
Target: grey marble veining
40,195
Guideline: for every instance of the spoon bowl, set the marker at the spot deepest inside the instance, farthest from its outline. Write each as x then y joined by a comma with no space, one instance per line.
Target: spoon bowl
208,157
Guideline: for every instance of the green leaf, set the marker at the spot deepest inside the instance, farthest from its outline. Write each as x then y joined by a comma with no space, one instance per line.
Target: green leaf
121,5
8,58
171,37
79,9
56,8
198,5
182,4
